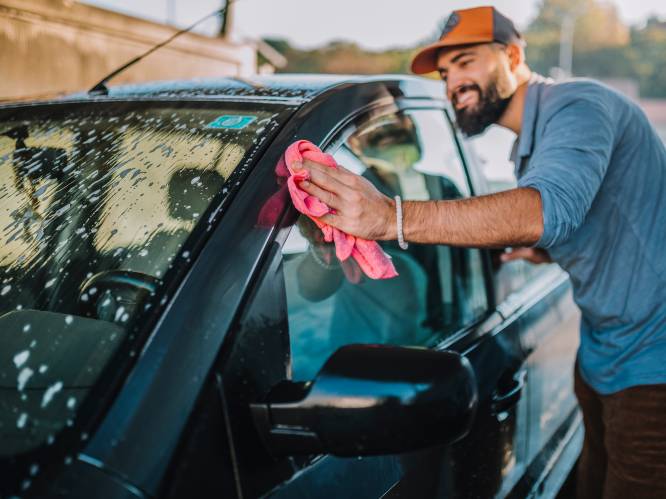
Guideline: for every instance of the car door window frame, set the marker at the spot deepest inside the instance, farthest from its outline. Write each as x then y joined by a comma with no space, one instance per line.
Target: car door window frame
544,275
341,132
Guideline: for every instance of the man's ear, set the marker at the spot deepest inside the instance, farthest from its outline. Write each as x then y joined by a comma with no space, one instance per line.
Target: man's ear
515,54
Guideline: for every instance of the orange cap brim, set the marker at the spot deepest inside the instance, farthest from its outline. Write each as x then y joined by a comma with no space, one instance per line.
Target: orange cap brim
425,61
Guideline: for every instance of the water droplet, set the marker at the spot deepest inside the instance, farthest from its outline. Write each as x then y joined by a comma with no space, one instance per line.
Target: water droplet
119,313
71,403
43,368
21,357
21,421
50,392
69,319
5,290
49,283
23,377
26,328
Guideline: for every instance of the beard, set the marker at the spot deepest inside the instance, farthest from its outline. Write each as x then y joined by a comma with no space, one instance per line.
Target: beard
490,107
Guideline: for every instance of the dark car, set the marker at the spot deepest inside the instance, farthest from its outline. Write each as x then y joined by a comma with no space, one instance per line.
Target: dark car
171,327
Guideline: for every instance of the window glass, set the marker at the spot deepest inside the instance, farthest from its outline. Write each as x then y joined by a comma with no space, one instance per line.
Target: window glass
439,289
493,150
96,203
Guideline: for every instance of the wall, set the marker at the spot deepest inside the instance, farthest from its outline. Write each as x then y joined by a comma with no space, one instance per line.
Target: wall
52,47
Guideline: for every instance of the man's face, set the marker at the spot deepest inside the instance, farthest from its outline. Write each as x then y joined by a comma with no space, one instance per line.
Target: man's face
479,84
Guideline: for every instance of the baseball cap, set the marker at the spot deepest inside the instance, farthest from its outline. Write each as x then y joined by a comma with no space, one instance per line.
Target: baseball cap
464,27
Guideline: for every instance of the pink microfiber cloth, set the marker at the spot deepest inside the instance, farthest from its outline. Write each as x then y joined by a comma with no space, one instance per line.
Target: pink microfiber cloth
368,254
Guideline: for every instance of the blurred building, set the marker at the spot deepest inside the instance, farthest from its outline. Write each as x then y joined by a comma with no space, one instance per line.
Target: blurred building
52,47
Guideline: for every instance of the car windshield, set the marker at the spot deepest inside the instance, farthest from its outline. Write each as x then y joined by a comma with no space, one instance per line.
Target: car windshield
97,205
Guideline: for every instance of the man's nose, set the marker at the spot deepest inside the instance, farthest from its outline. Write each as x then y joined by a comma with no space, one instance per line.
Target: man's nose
452,84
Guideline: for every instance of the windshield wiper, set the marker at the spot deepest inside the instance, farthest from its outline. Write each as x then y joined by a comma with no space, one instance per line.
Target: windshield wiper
101,88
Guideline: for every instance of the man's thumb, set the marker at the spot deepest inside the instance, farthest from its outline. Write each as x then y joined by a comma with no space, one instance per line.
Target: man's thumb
515,254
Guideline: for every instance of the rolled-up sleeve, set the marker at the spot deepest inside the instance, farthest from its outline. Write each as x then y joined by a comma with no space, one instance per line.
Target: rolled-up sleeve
568,166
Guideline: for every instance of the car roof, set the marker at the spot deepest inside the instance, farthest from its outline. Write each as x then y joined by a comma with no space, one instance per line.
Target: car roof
288,88
293,88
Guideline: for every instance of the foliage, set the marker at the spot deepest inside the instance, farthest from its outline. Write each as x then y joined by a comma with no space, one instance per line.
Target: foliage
343,57
604,47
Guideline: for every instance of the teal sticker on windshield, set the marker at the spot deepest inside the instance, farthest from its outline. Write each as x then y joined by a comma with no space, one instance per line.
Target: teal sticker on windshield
231,121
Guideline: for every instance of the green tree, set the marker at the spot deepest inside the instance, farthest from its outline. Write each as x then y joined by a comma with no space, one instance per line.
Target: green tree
597,24
603,48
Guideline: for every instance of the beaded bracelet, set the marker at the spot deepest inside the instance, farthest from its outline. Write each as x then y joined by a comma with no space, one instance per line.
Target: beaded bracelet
318,259
398,214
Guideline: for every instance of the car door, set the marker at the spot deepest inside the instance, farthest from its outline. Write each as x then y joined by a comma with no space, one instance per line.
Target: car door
539,298
306,305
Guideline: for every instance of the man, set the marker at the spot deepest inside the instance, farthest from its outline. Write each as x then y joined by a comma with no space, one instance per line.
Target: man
591,195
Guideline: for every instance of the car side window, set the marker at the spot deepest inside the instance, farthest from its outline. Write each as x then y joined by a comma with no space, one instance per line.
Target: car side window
439,290
493,150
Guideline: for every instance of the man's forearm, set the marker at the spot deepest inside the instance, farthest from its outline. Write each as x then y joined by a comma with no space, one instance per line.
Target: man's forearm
510,218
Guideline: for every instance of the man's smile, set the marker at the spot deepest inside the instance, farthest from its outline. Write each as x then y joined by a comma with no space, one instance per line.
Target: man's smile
465,96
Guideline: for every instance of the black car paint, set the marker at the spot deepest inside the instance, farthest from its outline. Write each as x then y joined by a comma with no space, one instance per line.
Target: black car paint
192,357
383,386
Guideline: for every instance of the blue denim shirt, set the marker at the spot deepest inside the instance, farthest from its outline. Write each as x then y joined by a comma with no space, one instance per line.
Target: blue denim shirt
601,170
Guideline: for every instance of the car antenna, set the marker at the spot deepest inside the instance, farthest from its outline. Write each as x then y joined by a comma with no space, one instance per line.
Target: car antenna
102,89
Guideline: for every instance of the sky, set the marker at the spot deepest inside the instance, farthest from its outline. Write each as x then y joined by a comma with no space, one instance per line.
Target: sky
373,24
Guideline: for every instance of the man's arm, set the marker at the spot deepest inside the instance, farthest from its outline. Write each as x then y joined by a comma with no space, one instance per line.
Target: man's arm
510,218
551,202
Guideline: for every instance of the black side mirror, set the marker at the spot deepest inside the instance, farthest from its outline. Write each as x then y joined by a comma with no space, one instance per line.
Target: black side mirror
371,399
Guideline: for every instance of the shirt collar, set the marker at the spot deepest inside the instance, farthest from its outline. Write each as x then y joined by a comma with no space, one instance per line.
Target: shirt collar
524,144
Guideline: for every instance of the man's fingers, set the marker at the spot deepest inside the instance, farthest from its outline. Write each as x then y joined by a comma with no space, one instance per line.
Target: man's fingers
331,219
313,166
327,197
534,255
516,254
328,182
508,257
340,173
344,171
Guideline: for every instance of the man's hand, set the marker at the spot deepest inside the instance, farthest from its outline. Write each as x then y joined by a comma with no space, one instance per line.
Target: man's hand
360,209
532,255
